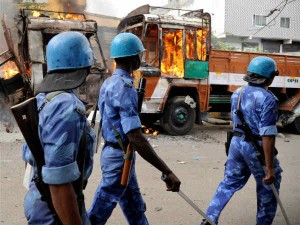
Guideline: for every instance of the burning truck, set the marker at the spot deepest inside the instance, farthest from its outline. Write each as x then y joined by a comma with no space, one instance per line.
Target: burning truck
22,74
186,78
175,66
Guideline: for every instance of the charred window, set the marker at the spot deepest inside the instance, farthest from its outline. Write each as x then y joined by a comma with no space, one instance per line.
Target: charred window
172,58
150,41
195,44
190,36
96,51
136,30
201,44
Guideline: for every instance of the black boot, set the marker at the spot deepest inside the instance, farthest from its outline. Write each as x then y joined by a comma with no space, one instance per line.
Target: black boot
204,222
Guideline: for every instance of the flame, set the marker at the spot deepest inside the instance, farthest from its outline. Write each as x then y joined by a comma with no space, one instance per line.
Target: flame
190,47
172,61
61,16
137,75
201,44
36,13
9,70
152,132
72,17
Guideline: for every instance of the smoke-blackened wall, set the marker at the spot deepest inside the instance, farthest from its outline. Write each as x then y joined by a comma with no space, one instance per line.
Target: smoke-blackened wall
8,8
72,6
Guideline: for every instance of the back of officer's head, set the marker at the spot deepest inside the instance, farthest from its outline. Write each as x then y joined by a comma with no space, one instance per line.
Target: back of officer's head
68,51
69,57
125,48
261,71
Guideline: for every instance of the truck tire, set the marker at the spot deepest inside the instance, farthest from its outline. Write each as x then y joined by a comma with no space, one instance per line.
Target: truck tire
178,117
295,126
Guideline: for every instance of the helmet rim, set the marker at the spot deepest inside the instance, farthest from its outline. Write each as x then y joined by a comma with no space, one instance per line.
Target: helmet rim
69,57
125,45
263,66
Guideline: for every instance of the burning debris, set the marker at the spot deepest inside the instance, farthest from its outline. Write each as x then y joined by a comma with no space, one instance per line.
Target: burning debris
37,27
10,82
58,15
9,70
13,77
150,131
22,73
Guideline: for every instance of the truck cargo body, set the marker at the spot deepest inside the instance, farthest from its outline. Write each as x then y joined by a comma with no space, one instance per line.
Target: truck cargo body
226,71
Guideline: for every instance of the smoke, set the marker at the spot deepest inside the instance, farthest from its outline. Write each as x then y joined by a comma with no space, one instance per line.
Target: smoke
72,6
119,8
6,118
8,8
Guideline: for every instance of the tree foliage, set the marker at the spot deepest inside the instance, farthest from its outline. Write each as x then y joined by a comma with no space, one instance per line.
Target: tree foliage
31,4
220,45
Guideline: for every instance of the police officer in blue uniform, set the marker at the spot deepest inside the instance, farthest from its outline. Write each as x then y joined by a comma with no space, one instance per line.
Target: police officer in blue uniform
260,110
61,123
118,104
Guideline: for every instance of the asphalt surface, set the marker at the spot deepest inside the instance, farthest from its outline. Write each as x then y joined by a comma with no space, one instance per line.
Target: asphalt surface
197,159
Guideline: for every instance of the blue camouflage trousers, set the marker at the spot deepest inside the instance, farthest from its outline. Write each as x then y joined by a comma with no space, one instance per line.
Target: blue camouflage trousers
241,163
109,192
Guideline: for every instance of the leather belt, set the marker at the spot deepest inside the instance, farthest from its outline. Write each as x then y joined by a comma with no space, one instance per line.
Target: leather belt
114,145
240,134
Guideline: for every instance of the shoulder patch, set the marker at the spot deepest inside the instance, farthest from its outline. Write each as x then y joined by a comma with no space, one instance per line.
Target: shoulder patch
128,85
80,110
273,95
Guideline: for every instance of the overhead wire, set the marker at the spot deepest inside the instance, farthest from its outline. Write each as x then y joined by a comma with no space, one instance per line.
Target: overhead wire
277,8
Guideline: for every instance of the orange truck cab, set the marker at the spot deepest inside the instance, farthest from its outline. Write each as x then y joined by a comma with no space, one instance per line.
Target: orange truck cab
186,78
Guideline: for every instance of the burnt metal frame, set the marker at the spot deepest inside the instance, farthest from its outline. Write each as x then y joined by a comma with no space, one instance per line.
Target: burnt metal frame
50,11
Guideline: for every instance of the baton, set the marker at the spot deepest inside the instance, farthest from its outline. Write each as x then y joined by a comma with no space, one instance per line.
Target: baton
278,200
190,202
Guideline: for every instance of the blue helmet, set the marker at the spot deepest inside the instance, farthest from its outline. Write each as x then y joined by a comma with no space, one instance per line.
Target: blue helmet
263,66
69,50
69,57
124,45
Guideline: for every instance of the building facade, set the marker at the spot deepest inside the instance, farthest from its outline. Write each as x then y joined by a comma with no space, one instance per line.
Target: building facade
271,26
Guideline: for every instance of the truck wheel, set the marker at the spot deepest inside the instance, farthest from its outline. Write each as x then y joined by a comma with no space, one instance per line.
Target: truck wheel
178,117
296,125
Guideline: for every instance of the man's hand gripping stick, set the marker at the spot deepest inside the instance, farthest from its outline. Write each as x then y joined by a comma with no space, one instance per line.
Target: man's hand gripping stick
164,177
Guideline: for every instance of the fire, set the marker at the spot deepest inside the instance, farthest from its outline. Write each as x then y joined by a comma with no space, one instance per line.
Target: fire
70,16
9,70
190,47
150,131
36,13
59,15
173,57
201,44
172,61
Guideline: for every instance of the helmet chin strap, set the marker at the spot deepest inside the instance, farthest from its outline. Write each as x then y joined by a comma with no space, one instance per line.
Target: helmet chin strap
130,64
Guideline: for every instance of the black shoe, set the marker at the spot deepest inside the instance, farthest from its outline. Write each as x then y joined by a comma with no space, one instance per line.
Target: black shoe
204,222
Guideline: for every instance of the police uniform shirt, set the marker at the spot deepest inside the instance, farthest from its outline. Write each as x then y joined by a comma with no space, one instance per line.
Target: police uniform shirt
118,105
259,107
61,124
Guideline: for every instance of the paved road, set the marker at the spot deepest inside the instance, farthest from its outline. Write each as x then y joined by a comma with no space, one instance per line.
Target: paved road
197,158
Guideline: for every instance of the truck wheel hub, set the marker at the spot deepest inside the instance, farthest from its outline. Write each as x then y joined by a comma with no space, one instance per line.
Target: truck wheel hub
180,116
